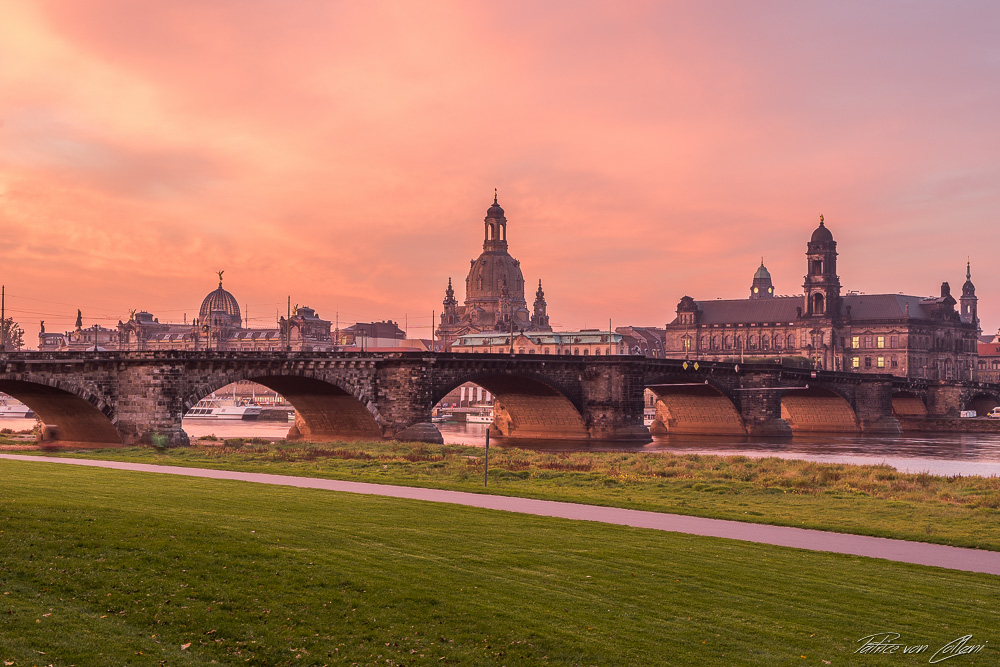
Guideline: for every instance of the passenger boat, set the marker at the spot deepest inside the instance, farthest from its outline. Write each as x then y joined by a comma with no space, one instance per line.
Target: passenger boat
221,408
14,409
484,416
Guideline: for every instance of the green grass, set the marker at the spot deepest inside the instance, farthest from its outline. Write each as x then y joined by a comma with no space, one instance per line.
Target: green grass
104,567
869,500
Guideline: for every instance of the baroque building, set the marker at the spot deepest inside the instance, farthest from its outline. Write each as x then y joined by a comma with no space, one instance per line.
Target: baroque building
494,290
220,326
907,336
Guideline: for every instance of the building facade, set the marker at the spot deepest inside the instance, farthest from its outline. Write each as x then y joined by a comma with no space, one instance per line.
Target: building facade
908,336
588,342
494,290
220,326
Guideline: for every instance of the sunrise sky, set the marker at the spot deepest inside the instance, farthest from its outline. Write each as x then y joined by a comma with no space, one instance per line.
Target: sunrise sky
345,153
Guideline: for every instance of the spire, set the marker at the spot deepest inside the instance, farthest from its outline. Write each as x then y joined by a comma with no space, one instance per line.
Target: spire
495,202
968,269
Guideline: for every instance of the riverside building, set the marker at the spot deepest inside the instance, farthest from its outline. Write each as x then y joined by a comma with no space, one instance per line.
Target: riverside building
898,334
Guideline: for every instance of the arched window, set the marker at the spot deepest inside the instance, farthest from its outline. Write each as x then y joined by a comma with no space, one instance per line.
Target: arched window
727,342
715,342
777,341
791,341
817,304
752,341
765,342
739,342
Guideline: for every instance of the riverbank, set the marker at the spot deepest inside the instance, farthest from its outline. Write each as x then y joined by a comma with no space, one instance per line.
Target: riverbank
99,570
865,500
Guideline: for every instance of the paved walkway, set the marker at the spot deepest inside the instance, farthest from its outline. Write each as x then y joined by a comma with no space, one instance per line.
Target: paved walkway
970,560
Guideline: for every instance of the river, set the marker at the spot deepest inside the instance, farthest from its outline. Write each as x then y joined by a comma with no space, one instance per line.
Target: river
938,454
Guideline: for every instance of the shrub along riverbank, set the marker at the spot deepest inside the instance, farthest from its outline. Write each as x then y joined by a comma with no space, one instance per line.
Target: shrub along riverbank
868,500
106,567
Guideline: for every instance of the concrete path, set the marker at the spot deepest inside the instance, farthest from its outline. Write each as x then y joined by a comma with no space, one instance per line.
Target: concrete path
954,558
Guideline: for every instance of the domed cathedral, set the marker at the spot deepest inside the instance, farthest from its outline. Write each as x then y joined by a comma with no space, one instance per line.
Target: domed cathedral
220,326
908,336
494,290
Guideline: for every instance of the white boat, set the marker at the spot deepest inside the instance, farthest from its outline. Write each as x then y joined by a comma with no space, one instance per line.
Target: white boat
481,417
439,419
648,416
13,409
221,408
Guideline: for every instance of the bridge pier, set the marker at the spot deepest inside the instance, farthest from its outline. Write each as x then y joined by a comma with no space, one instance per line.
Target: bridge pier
760,406
612,398
151,406
873,406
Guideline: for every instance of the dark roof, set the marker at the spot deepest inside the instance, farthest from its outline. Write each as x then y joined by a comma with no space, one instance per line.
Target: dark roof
785,308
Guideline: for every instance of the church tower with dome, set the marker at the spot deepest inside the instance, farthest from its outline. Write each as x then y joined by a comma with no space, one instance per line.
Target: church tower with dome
494,290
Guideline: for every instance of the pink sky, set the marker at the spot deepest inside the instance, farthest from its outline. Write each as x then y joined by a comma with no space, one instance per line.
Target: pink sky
345,153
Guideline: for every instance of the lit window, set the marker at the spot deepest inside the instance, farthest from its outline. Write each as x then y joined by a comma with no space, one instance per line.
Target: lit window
855,341
687,344
855,362
880,362
880,342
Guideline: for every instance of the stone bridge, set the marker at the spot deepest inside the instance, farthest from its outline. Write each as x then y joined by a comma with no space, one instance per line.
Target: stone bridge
125,398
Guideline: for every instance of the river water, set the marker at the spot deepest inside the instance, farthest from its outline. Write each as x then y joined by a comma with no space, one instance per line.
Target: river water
938,454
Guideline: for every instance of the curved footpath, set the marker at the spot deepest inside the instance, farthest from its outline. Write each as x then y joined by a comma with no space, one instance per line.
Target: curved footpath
937,555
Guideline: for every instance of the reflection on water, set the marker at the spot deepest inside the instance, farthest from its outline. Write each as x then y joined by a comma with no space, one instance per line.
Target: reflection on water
938,454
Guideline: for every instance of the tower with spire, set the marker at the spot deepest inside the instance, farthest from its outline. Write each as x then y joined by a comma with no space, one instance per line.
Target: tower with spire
822,284
969,301
540,319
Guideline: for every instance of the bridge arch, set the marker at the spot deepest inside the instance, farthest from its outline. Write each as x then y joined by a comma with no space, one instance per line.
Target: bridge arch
526,406
982,402
326,408
70,413
816,409
908,404
695,409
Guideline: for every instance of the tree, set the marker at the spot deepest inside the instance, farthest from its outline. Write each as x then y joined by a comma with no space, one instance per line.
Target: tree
13,335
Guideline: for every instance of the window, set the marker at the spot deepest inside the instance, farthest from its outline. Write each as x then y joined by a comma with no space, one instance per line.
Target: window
739,342
893,341
598,352
586,352
868,362
791,341
765,342
752,341
576,351
855,362
880,342
686,344
880,362
777,341
868,341
893,362
546,351
855,341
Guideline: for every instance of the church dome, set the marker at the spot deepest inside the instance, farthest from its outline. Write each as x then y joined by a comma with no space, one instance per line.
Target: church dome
762,273
221,301
822,233
494,211
490,272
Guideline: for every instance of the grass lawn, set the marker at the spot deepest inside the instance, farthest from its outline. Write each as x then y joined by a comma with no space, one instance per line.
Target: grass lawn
103,567
869,500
